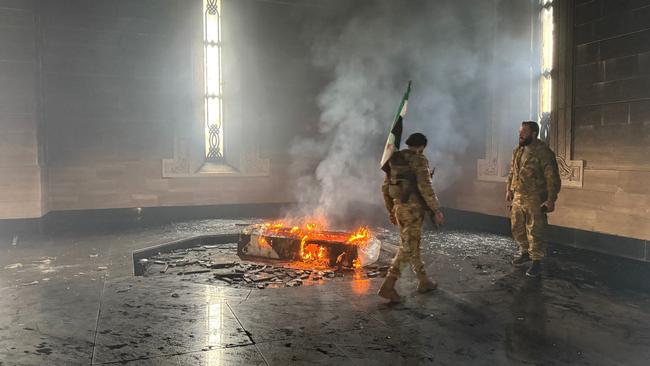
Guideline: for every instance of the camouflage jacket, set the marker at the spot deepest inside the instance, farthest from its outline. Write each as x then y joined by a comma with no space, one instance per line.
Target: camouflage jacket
409,174
534,171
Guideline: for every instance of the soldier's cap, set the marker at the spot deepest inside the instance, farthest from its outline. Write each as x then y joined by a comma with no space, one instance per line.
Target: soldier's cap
416,140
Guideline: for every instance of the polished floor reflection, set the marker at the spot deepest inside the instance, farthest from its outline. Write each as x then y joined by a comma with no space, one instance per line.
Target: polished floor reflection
71,299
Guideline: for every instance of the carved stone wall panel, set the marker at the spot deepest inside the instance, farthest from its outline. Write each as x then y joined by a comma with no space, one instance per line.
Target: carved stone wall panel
492,170
176,168
571,172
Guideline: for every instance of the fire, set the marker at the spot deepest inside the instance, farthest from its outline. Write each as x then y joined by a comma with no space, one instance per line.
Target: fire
313,253
360,236
263,242
310,233
356,264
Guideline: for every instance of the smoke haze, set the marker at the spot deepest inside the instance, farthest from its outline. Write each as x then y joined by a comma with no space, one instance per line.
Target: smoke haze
443,46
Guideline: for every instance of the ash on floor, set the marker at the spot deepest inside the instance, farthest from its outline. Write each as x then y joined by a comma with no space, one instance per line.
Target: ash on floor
220,264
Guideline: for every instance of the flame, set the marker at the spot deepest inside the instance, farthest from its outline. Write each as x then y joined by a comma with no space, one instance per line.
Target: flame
315,230
361,235
263,242
314,253
356,264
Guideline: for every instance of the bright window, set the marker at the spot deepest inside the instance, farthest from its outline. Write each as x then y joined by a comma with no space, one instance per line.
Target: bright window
546,67
213,92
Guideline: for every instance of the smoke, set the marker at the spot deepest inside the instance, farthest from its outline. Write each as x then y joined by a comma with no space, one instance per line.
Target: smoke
443,46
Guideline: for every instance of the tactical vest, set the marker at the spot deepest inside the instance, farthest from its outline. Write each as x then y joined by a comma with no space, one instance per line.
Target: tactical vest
403,181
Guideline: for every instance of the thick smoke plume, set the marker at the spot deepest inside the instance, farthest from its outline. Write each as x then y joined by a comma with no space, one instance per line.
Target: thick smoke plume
443,46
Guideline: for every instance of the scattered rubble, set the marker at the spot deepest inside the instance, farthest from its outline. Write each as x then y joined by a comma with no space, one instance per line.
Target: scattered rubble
221,265
194,272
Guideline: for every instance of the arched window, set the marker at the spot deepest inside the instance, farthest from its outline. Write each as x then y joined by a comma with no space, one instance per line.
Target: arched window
213,93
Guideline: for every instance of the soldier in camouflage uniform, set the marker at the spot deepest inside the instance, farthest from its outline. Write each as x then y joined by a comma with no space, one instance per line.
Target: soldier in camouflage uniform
408,193
533,186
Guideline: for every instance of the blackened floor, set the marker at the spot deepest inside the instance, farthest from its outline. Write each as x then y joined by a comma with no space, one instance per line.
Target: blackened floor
72,299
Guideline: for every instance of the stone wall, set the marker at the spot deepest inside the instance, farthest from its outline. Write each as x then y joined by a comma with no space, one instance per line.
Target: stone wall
21,176
117,83
612,85
611,121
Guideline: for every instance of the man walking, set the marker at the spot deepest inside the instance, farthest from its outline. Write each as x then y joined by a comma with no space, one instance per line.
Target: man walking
408,193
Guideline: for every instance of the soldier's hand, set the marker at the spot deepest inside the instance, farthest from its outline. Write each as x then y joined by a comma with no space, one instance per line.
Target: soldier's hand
439,218
393,219
509,196
548,206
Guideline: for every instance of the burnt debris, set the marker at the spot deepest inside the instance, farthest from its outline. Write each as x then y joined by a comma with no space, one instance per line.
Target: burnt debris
221,265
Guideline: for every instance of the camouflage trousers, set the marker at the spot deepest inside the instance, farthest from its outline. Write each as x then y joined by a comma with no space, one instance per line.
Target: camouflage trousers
528,224
409,218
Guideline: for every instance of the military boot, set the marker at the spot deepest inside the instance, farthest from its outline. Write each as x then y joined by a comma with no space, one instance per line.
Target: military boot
521,259
387,290
425,284
535,269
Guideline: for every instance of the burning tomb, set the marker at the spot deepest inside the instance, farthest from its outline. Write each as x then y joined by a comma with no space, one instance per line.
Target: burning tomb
310,244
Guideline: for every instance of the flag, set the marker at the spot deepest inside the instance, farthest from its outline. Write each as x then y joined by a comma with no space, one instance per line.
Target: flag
395,134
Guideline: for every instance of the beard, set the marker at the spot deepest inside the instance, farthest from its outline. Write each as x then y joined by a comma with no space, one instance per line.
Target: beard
525,141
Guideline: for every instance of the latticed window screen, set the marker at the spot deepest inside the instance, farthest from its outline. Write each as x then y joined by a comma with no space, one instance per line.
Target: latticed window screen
212,79
546,68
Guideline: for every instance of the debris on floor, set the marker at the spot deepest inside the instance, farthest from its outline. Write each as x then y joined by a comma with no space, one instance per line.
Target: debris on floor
220,264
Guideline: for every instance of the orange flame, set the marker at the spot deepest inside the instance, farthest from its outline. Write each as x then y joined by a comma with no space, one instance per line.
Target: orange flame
356,264
263,242
314,230
314,253
361,235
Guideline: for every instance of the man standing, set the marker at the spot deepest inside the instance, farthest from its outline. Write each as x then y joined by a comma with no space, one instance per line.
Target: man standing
533,186
408,193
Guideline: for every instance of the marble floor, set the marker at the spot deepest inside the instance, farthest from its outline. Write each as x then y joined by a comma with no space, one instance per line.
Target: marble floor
70,298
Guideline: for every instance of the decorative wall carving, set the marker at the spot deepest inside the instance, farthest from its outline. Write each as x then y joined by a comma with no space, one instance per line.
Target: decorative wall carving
492,170
176,168
250,165
247,163
571,172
